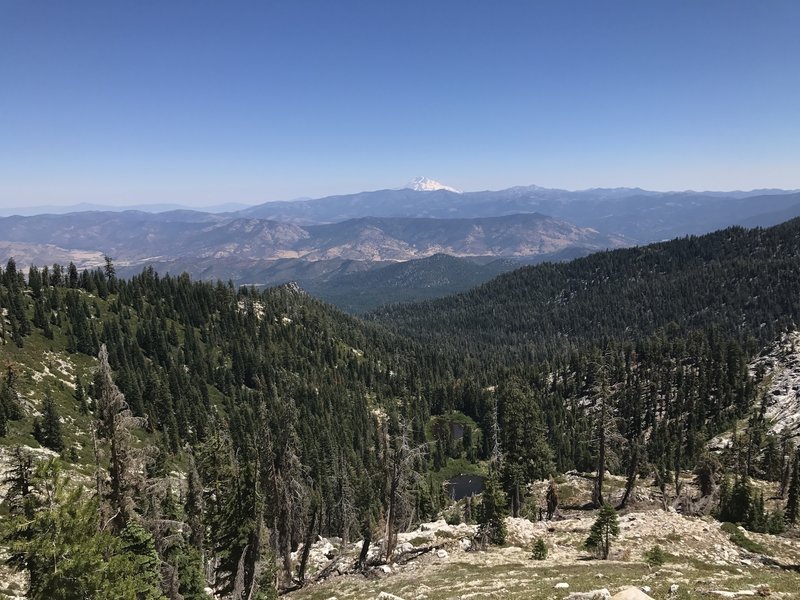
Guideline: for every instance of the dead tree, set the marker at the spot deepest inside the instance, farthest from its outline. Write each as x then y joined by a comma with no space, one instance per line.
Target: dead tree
401,460
605,434
115,424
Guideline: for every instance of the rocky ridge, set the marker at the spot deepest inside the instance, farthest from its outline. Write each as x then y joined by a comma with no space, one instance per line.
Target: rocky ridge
702,560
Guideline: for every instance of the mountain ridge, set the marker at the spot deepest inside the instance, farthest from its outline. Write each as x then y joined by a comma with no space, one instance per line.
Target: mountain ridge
133,237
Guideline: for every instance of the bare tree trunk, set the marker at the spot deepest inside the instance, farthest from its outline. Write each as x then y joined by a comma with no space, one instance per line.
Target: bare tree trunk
239,583
98,474
301,570
388,541
633,471
662,485
597,492
362,556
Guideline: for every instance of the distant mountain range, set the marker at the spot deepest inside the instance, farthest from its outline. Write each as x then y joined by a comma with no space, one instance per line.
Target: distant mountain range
27,211
635,214
336,246
133,237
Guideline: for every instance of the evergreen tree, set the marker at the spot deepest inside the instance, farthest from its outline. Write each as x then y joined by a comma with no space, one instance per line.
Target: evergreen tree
492,512
19,481
708,466
65,553
603,530
80,397
47,431
551,499
539,549
9,397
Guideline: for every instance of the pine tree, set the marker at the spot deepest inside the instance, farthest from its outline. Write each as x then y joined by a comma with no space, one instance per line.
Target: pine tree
492,512
706,473
80,397
551,499
65,553
19,481
539,549
738,505
47,431
756,515
603,530
9,397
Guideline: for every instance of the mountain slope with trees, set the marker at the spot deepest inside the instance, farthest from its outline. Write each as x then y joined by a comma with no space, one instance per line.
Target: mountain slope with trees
743,282
215,432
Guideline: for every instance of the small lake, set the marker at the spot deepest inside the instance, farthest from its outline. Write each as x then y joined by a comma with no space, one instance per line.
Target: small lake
464,485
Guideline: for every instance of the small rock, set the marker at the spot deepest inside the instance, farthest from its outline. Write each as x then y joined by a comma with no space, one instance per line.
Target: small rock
673,589
441,553
385,569
631,593
561,586
763,590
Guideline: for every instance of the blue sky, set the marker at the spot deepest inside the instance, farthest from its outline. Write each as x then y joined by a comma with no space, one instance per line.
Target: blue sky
202,102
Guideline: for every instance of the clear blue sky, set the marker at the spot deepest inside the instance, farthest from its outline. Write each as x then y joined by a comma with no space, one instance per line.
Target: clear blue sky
203,102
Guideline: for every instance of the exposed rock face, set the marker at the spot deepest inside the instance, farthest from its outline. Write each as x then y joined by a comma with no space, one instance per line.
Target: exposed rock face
781,366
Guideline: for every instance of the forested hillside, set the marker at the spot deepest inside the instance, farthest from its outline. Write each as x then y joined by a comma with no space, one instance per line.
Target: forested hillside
267,395
742,282
215,432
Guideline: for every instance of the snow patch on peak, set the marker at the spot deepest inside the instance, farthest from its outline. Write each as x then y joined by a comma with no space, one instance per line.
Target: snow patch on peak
423,184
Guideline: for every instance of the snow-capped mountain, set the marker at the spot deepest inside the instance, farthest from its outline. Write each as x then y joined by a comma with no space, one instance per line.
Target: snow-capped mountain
424,184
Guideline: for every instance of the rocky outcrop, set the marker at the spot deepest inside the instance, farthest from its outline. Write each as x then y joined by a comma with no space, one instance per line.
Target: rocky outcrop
781,368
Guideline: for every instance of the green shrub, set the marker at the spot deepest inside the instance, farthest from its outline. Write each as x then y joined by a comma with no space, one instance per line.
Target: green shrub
738,537
539,549
655,557
776,522
454,516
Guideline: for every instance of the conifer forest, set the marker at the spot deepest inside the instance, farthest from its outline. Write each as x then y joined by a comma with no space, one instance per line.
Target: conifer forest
198,438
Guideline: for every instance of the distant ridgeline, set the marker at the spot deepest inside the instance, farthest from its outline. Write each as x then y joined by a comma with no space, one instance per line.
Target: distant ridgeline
295,419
